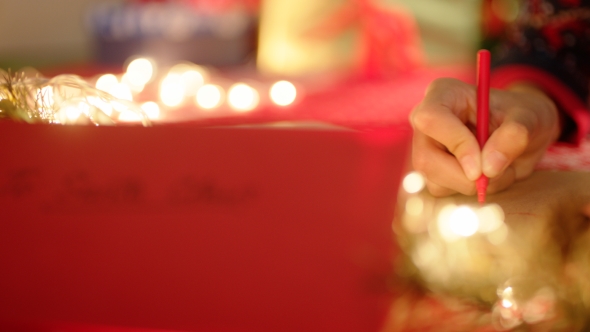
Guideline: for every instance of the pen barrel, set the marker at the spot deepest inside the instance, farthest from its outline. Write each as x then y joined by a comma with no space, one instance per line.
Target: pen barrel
483,96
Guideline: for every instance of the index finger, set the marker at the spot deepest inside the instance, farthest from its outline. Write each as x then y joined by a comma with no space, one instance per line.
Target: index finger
442,116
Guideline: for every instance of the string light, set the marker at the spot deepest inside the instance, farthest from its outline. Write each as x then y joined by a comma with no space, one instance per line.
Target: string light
443,223
193,76
140,72
129,116
463,221
507,303
193,80
242,97
491,217
172,90
84,108
151,109
283,93
181,81
72,113
134,87
415,206
413,182
121,91
498,236
106,82
209,96
101,104
46,96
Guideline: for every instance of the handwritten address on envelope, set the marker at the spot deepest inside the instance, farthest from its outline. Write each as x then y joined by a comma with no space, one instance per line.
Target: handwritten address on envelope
82,191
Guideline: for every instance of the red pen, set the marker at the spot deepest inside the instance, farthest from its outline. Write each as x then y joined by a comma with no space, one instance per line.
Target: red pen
483,114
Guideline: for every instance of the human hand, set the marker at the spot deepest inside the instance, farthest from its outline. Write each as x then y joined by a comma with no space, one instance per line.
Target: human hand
523,123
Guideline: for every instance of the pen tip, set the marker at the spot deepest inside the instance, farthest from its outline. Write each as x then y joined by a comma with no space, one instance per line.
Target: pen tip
481,185
481,196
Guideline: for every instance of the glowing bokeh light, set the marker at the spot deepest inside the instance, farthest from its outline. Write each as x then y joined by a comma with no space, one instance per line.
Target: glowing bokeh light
507,292
172,90
209,96
413,183
491,217
121,91
507,303
283,93
101,104
151,109
193,80
242,97
135,88
425,254
72,113
443,223
129,116
106,82
193,76
414,206
499,236
463,221
45,97
180,68
84,108
140,72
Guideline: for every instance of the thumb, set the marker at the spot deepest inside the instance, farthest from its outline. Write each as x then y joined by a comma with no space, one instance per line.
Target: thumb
505,144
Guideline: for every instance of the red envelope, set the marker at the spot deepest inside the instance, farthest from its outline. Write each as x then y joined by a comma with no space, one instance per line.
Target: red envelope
196,229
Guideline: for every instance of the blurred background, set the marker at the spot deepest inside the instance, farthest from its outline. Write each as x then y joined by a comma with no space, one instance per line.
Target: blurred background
287,36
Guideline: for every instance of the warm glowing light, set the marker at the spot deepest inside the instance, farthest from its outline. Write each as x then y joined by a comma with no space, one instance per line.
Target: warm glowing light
121,91
151,109
45,96
242,97
106,82
129,116
193,76
414,206
102,105
84,108
209,96
140,71
425,253
491,217
72,113
443,222
180,68
507,292
507,303
172,90
283,93
463,221
499,236
135,88
413,183
193,81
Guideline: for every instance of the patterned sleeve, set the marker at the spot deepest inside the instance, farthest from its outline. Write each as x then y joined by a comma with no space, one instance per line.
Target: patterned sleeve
548,44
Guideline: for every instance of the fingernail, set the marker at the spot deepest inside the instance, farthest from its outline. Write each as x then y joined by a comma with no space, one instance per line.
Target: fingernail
470,167
494,163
